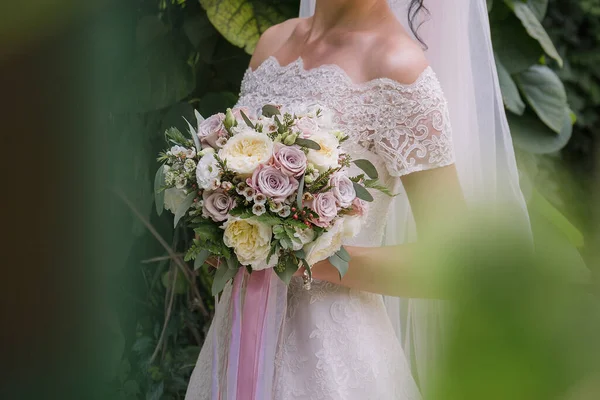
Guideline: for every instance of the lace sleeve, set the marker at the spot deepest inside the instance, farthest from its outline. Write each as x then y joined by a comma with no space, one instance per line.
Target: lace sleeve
414,132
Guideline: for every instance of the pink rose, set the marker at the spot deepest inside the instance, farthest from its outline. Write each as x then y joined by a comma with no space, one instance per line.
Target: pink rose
324,204
273,183
217,205
343,190
211,129
290,159
307,126
359,207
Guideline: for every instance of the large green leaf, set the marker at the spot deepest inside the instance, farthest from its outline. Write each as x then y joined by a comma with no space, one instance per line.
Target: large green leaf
241,21
534,28
514,47
510,93
157,77
538,7
532,135
546,94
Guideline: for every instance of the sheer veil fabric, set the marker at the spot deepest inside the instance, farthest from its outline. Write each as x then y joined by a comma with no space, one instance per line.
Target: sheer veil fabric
459,50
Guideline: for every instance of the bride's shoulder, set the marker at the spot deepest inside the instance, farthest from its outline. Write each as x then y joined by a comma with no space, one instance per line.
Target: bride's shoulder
399,58
272,39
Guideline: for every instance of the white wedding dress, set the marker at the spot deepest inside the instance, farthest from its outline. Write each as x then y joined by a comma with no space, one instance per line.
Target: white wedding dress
337,343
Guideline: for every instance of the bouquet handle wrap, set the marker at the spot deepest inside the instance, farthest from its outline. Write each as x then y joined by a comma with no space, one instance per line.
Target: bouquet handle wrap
259,302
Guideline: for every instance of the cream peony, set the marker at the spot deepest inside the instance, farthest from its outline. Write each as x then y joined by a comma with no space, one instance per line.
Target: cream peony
327,244
245,151
173,198
331,241
329,154
251,242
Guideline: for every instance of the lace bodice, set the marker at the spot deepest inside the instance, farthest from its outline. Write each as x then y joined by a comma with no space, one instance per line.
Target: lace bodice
401,128
406,124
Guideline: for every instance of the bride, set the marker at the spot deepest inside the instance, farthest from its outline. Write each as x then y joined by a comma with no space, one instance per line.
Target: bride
364,61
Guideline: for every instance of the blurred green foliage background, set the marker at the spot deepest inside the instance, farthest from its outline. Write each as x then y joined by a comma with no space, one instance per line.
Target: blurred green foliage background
143,65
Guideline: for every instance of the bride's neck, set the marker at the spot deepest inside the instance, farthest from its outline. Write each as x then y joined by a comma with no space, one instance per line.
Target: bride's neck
355,14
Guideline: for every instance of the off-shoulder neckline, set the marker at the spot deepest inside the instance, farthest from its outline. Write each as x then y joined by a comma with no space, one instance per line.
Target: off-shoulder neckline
299,64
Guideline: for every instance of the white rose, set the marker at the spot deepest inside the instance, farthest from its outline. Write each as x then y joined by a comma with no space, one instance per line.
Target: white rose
207,171
304,236
245,151
173,199
251,242
329,154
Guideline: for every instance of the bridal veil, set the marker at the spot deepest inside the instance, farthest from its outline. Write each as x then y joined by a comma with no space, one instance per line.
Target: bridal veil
459,49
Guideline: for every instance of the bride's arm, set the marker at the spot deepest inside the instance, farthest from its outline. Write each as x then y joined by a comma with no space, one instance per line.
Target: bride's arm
436,199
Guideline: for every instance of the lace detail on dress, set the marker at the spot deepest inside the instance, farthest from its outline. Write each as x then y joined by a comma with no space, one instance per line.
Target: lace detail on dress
405,124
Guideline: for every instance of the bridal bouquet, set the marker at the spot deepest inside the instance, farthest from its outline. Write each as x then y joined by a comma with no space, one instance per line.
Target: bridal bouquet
266,191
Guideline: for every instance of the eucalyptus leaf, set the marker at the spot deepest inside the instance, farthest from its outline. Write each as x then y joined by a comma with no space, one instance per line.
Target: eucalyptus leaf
368,167
300,254
247,120
309,144
270,110
184,207
159,193
343,254
362,193
341,265
289,270
300,193
201,259
224,274
194,136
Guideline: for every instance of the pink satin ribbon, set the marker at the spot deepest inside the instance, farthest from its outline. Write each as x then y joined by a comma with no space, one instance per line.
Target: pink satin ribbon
253,321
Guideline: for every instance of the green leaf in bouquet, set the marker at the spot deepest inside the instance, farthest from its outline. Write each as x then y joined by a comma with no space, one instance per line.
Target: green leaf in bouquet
309,144
194,135
247,120
201,259
340,264
241,212
375,184
343,254
286,268
269,219
362,193
270,110
224,274
159,193
208,231
184,207
300,193
275,247
368,167
301,254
